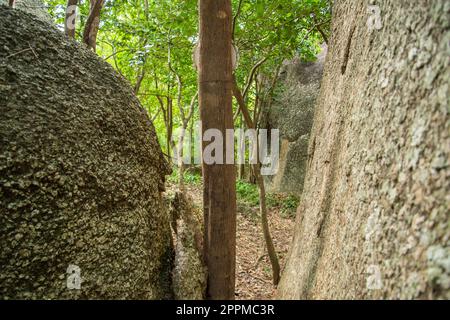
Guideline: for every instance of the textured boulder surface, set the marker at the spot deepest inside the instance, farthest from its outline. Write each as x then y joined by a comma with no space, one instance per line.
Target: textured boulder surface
35,7
292,112
81,173
374,216
189,273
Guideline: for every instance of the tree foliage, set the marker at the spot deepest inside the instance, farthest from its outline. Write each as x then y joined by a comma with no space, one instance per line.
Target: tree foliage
151,42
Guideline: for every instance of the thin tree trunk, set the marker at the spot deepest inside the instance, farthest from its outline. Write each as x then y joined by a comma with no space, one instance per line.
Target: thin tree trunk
324,36
12,3
265,226
142,72
169,100
92,24
257,101
166,122
192,147
219,190
249,83
235,18
267,99
181,173
262,191
185,122
322,33
167,114
169,125
141,76
241,165
139,80
146,9
70,19
180,155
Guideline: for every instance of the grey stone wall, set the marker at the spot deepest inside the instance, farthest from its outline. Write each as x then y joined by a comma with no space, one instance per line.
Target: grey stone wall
81,173
374,216
292,112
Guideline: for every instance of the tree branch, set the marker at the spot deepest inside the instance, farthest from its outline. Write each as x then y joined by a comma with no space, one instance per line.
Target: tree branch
92,24
238,12
252,73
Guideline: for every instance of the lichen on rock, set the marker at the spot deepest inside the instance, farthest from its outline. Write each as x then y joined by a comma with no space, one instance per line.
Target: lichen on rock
81,173
189,272
292,113
35,7
374,216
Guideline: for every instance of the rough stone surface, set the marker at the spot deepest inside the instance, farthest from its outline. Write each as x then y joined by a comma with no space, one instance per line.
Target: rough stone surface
189,273
81,173
374,216
35,7
292,112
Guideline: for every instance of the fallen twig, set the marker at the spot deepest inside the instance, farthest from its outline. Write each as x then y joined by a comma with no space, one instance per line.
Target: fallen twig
30,48
21,51
34,52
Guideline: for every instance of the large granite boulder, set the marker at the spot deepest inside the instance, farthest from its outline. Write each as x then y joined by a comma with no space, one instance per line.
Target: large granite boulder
292,112
81,174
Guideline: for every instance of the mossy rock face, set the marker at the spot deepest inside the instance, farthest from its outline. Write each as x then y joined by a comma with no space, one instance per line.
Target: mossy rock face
373,221
81,173
292,112
189,273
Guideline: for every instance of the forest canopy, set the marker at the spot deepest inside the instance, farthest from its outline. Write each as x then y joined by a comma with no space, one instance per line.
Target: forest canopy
151,43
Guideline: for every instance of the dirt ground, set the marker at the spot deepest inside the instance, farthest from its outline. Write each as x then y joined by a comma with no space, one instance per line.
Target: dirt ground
253,271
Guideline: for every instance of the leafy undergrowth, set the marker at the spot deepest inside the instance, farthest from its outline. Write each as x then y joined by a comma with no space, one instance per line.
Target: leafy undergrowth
248,200
192,178
253,271
248,196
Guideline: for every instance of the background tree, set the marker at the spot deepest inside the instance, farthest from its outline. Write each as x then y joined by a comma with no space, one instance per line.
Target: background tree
70,19
92,24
